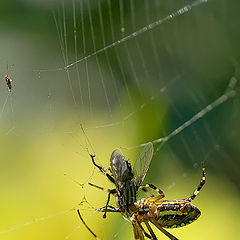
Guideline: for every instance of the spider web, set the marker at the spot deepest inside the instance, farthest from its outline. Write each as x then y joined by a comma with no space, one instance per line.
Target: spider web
130,72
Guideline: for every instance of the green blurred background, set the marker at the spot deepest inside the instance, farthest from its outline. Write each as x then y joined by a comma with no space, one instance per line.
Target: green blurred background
138,91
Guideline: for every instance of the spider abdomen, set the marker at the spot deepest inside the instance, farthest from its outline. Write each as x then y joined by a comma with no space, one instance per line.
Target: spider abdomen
176,213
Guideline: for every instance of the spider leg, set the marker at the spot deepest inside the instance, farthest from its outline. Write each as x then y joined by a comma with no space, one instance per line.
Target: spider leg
202,182
141,227
113,191
101,169
159,191
88,228
150,230
163,230
110,191
138,233
145,233
143,188
109,209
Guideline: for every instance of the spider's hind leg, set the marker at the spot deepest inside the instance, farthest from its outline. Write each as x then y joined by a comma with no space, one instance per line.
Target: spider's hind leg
163,230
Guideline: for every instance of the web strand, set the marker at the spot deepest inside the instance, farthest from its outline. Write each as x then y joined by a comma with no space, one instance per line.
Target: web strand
107,54
37,220
97,59
219,101
187,8
76,51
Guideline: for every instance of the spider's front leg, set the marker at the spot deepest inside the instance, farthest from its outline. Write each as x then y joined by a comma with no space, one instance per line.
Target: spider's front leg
109,209
108,199
159,191
110,191
102,169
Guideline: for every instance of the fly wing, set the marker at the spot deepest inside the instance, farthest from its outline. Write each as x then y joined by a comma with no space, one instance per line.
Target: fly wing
121,169
142,163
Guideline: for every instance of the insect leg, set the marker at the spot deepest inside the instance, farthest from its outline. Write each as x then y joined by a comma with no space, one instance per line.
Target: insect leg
150,230
163,230
101,169
105,211
101,188
202,182
159,191
88,228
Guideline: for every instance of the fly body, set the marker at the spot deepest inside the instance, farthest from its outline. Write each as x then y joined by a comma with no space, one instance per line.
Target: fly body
127,180
126,188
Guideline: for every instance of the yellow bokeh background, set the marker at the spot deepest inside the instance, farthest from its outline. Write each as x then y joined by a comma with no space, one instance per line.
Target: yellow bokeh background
35,188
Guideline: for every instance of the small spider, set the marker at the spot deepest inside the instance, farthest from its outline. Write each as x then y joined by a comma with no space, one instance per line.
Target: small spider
8,80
